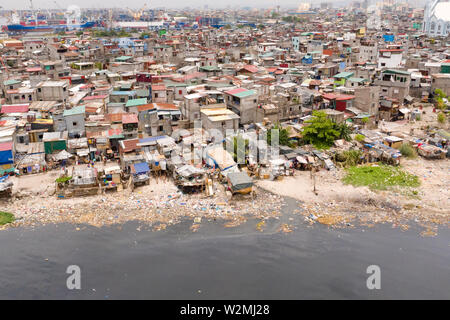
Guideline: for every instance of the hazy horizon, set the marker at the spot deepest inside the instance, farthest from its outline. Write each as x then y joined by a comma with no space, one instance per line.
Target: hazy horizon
49,4
172,4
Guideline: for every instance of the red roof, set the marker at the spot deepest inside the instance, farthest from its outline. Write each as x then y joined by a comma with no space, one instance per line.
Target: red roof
114,117
391,50
103,96
146,107
35,69
338,97
15,108
235,91
129,118
130,145
6,146
250,68
158,87
344,97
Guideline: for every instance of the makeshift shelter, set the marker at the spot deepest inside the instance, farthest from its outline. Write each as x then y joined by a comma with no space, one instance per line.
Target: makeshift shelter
218,157
140,174
188,176
63,155
240,182
5,186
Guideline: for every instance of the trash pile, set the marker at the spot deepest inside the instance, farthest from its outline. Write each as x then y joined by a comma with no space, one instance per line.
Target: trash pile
165,204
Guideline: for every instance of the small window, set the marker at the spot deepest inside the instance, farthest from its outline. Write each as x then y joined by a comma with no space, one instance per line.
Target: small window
74,123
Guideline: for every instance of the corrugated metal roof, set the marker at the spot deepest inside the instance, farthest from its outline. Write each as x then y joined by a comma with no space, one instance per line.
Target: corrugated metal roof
74,111
136,102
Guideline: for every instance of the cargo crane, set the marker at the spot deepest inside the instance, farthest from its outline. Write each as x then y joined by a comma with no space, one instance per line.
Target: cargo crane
137,14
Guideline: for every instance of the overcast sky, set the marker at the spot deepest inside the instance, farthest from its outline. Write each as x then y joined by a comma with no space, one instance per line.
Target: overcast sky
22,4
25,4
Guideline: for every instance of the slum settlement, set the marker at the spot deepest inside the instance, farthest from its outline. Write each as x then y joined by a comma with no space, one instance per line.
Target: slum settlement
287,102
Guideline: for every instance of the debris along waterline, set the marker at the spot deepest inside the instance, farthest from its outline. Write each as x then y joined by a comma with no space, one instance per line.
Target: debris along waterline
160,207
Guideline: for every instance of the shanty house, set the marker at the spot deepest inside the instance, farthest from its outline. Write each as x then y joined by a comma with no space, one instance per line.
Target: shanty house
75,122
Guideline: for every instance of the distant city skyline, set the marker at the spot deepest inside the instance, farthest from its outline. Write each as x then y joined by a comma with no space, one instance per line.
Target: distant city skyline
50,4
172,4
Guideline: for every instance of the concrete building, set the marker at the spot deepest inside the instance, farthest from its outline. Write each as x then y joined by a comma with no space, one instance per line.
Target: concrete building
53,91
243,102
75,122
367,99
441,81
221,119
390,58
394,84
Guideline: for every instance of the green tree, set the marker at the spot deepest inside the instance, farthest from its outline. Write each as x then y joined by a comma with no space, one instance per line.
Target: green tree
240,147
344,131
320,131
283,135
440,93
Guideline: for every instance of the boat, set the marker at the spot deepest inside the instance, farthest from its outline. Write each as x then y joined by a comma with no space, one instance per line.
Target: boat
46,27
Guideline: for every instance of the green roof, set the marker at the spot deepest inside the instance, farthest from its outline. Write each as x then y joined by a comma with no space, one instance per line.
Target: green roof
10,82
345,75
244,94
358,80
396,72
123,58
136,102
74,111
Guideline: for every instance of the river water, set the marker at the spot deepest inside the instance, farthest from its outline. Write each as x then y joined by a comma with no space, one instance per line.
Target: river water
131,261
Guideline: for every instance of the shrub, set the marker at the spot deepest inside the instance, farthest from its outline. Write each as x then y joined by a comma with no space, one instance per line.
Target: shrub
407,151
359,137
63,179
441,117
382,177
6,217
350,158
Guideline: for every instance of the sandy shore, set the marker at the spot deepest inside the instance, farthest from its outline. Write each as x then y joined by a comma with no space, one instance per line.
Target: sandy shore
335,203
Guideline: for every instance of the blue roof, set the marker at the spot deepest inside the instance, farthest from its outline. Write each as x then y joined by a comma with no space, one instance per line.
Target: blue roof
150,139
141,167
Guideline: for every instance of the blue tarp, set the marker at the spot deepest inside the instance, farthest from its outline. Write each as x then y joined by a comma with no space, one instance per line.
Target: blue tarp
151,139
142,167
388,37
6,157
